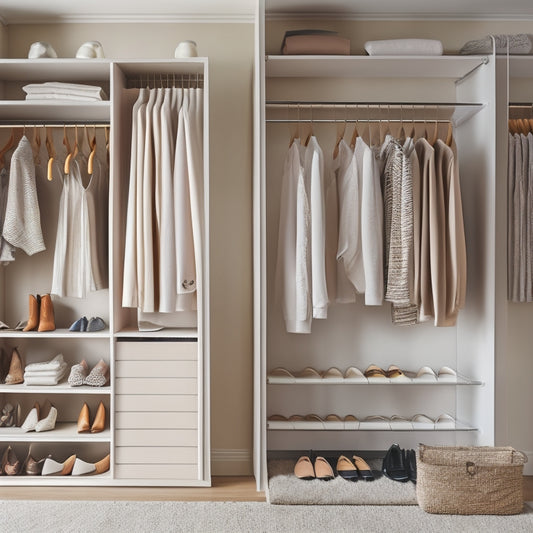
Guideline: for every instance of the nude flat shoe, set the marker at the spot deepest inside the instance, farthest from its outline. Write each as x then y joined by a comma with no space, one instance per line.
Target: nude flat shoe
363,469
99,375
78,373
303,469
346,469
323,469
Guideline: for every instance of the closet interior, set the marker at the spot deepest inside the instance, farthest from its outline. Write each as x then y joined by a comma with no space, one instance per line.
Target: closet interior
327,97
156,396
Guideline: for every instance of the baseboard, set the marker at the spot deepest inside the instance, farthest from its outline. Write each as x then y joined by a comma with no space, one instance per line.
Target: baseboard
528,467
231,462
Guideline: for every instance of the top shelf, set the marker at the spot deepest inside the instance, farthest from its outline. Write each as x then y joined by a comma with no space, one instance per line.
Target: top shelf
312,66
70,70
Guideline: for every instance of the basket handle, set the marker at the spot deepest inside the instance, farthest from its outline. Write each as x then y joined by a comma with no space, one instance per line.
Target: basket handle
524,456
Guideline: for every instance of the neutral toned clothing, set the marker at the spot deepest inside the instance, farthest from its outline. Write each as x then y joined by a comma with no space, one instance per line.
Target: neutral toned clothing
7,251
22,223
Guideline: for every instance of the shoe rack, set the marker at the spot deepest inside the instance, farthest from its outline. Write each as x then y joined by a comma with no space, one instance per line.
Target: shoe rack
156,401
296,413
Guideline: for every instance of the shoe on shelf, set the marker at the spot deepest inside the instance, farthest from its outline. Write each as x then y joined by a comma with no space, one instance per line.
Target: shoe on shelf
33,316
364,471
78,373
99,375
82,468
303,469
84,424
323,469
99,419
16,369
5,361
79,325
53,468
31,467
48,419
46,314
95,324
411,464
346,469
10,463
394,466
31,418
10,416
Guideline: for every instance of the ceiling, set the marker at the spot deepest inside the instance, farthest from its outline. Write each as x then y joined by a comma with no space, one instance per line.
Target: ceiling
39,11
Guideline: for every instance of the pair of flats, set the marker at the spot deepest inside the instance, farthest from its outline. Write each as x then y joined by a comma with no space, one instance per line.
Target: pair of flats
320,469
352,471
95,323
97,377
400,464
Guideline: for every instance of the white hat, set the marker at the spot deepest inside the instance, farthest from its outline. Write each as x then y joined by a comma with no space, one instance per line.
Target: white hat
90,50
41,49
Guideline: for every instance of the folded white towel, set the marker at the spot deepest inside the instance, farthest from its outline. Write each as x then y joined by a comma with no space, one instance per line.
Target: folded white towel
53,364
46,97
55,87
518,44
45,380
405,47
46,373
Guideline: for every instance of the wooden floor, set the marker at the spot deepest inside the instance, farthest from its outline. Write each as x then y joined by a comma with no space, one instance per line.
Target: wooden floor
235,489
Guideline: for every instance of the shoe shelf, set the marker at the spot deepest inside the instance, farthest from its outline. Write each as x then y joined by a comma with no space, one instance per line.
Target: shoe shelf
289,426
57,480
60,388
61,333
63,432
282,380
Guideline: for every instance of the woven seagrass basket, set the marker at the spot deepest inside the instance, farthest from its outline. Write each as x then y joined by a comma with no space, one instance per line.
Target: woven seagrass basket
470,480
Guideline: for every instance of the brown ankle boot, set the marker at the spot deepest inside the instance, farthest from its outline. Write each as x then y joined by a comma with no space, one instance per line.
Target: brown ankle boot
46,317
33,319
16,369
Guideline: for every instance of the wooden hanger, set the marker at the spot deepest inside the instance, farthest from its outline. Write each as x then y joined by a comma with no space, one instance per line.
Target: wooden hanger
340,136
296,133
36,144
10,143
355,134
92,145
51,153
73,152
311,133
449,134
106,137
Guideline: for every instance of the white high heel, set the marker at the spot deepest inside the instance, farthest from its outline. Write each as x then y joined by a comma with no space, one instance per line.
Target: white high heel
48,422
53,468
82,468
31,420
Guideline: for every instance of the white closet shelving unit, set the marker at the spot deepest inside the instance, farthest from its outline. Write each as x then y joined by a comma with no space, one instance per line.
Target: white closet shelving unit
355,335
157,402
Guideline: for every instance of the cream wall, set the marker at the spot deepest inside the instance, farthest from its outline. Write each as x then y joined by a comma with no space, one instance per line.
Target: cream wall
230,51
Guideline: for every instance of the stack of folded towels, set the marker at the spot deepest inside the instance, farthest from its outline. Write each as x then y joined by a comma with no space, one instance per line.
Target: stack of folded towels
314,42
66,92
46,373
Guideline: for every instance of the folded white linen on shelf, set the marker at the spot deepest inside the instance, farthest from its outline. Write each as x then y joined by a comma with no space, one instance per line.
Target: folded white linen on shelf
53,364
72,89
520,43
396,47
46,97
42,378
46,373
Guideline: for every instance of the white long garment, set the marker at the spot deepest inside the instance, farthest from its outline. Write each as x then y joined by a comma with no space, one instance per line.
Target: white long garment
293,283
7,251
130,285
72,272
314,177
371,223
22,224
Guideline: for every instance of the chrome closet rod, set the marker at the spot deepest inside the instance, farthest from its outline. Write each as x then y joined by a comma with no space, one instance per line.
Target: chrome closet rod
383,105
48,124
353,121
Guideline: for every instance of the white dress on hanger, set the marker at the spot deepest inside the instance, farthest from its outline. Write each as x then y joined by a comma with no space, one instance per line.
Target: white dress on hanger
7,251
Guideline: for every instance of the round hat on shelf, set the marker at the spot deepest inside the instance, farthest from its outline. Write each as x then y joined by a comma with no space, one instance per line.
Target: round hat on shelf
90,50
40,49
186,49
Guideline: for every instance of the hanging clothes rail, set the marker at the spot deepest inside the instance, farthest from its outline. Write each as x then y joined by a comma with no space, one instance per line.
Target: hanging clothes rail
52,124
167,80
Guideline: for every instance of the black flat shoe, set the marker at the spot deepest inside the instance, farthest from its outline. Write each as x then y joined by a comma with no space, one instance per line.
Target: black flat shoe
394,466
364,470
411,465
346,469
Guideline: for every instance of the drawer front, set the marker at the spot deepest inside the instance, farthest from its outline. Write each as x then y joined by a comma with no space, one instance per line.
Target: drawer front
156,385
155,402
152,471
153,351
145,420
156,369
156,437
169,455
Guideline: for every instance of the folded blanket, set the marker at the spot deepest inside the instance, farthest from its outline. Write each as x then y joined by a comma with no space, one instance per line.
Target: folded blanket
518,44
74,89
62,97
46,373
405,47
53,364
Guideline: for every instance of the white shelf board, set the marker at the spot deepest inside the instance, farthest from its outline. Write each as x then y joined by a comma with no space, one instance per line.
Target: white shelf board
31,111
273,380
63,432
64,70
288,426
58,333
167,333
313,66
142,67
60,388
99,479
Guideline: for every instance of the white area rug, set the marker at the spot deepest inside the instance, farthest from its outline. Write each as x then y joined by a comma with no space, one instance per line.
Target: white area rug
287,489
240,517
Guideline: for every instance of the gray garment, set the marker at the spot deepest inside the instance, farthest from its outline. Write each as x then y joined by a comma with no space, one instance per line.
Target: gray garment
22,224
7,251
